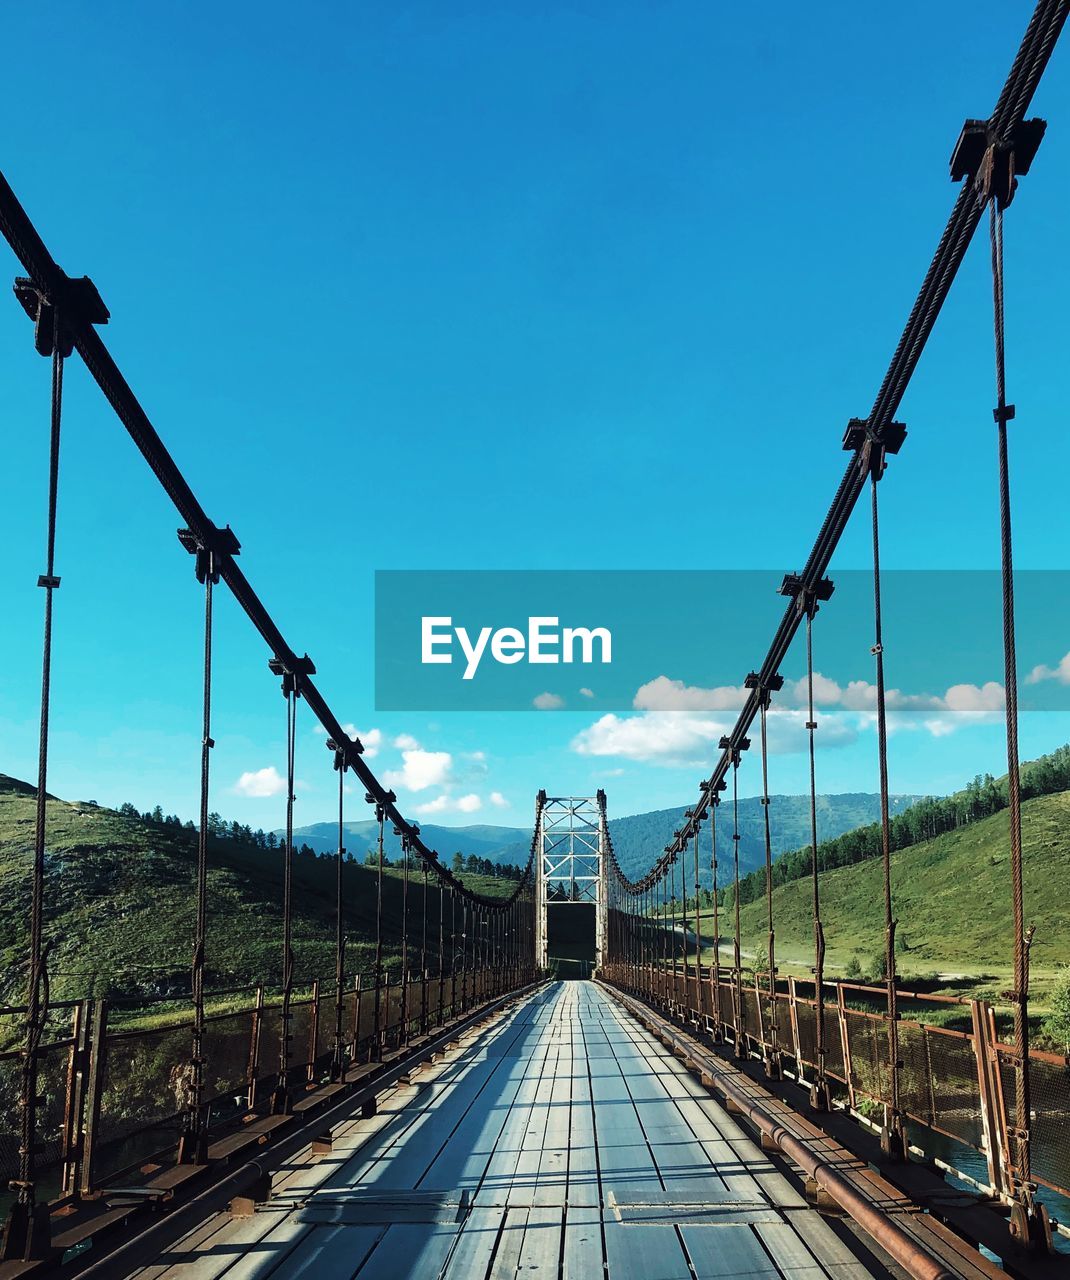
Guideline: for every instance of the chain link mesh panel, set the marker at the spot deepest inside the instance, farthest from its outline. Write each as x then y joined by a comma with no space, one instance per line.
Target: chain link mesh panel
1050,1099
144,1089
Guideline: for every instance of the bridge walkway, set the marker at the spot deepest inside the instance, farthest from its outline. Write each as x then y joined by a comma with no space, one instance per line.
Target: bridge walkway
562,1142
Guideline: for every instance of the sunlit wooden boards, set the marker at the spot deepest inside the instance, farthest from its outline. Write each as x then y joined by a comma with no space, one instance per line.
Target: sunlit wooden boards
561,1143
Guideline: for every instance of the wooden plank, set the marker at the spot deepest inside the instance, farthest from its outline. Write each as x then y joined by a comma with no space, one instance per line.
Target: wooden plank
732,1250
327,1253
644,1253
582,1253
404,1252
510,1243
473,1250
540,1255
826,1246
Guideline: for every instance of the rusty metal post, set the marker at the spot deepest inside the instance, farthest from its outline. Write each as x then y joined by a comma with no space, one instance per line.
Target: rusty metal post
313,1032
73,1115
255,1036
845,1041
98,1056
793,1014
993,1134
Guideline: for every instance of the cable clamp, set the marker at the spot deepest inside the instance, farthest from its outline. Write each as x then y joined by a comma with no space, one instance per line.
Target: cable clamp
807,598
1003,415
48,580
876,649
208,548
811,724
872,443
292,670
78,298
736,749
764,689
993,164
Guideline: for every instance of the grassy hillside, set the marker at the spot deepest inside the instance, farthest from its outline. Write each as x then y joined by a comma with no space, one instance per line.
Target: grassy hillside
952,900
119,905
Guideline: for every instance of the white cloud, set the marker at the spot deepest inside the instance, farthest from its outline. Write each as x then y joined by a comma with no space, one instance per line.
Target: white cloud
656,736
439,805
445,803
420,770
827,693
587,693
682,724
1059,673
548,702
406,742
969,703
663,694
260,783
498,800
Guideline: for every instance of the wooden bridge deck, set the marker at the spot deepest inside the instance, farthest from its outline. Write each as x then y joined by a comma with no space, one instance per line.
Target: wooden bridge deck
564,1142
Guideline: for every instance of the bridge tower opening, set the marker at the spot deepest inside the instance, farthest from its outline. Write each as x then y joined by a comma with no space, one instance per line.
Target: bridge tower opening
569,884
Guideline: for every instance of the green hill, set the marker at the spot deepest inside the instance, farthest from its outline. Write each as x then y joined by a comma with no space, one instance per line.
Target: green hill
952,900
120,911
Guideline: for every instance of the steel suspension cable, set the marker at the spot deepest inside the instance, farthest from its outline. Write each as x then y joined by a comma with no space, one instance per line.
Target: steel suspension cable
338,1064
819,1094
281,1099
441,945
718,1030
28,1226
1023,937
404,940
737,970
698,939
193,1143
453,952
377,1005
894,1137
773,1056
423,955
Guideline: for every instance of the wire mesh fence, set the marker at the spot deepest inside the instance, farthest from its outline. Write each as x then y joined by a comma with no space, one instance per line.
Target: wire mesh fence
113,1099
942,1071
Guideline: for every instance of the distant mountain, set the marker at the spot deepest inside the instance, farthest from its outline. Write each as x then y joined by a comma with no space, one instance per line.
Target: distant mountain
638,839
498,844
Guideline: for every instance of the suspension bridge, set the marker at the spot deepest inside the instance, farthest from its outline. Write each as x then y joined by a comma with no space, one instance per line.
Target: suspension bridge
465,1109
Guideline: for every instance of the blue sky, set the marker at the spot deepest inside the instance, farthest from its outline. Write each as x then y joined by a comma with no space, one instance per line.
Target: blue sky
425,286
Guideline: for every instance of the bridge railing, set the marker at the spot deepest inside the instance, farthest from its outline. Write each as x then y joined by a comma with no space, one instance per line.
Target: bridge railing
955,1081
115,1095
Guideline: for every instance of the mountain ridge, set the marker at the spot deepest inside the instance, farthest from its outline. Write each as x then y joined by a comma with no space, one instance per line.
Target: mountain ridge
637,838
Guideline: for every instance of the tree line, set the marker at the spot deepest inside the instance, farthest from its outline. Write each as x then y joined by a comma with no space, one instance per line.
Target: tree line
237,833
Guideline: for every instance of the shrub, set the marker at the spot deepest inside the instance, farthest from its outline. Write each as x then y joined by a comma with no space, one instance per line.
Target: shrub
1057,1023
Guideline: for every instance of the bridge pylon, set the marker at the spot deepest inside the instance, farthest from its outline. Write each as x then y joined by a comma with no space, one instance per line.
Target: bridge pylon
570,847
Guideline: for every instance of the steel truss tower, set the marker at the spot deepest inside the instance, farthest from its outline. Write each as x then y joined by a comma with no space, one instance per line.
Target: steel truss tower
570,843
